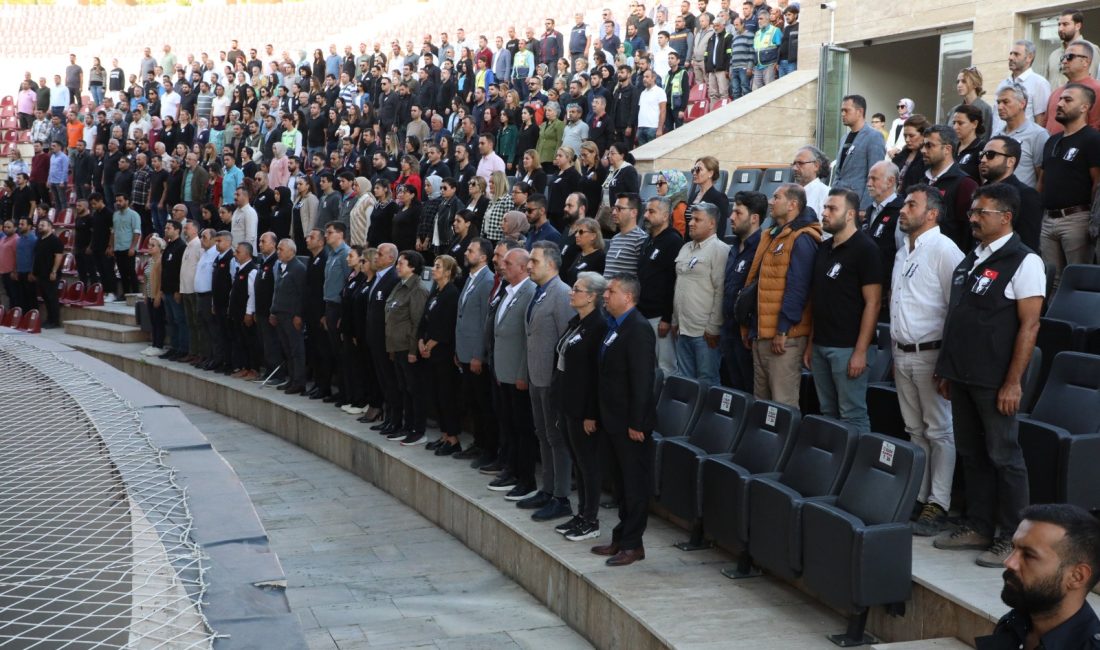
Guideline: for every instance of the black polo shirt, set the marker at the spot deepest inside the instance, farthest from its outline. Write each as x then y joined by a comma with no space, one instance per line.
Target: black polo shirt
1067,161
840,273
45,250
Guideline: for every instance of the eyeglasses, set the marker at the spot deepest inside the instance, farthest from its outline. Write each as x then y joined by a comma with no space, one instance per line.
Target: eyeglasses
929,145
902,106
1071,56
696,170
799,163
620,208
576,290
975,212
990,155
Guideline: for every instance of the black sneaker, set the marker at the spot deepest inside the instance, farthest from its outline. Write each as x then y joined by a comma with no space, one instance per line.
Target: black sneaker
492,468
397,434
413,439
431,446
447,449
535,502
557,508
931,522
521,492
565,527
584,530
502,483
469,453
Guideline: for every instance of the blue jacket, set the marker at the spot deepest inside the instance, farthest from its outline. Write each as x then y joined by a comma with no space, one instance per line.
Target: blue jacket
24,252
737,269
336,272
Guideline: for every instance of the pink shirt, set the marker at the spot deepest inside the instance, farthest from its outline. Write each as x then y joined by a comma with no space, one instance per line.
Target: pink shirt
7,253
278,172
25,101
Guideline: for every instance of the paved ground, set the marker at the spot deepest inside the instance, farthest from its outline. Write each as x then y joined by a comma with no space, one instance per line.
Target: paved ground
366,571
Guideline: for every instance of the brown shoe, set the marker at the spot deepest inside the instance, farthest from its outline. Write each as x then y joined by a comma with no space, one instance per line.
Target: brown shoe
250,375
606,549
237,375
626,556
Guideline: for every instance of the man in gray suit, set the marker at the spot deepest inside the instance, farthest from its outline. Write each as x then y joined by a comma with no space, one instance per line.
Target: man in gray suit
510,369
502,61
286,313
470,353
862,147
547,319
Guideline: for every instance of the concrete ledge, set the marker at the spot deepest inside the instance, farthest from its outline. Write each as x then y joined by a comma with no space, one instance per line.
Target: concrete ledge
105,331
117,313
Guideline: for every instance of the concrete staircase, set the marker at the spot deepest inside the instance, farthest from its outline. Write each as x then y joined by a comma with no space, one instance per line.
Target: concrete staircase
116,322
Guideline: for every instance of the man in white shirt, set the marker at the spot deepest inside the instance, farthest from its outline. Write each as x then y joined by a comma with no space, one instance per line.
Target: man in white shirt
652,104
1020,59
660,55
920,290
170,103
1014,104
809,167
490,162
59,97
245,221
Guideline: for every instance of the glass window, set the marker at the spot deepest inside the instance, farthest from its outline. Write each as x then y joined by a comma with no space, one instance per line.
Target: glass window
955,51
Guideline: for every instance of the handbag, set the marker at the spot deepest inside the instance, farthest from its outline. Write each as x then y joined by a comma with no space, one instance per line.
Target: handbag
744,306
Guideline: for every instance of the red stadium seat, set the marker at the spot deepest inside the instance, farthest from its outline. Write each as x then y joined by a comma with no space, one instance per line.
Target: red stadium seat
31,322
93,296
66,237
143,245
5,149
9,122
72,294
8,100
15,315
3,314
24,136
68,265
68,218
11,136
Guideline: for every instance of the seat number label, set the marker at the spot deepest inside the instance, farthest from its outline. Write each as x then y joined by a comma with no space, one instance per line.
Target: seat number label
772,414
727,399
886,454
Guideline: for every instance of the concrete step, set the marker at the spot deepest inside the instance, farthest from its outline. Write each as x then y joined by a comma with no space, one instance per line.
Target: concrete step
104,331
944,643
118,313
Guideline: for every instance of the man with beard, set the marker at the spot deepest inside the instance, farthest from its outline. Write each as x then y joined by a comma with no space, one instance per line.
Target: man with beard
998,164
1054,563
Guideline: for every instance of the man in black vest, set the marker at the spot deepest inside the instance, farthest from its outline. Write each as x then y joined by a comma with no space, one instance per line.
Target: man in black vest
265,293
628,362
313,309
242,315
286,314
385,279
998,164
880,222
988,339
220,287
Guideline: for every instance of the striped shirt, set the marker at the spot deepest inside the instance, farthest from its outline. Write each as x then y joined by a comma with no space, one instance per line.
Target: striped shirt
623,252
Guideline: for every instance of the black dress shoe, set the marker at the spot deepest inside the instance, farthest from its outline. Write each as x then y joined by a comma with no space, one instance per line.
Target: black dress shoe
492,468
321,395
386,431
486,459
381,425
469,453
435,444
447,448
330,398
626,556
295,390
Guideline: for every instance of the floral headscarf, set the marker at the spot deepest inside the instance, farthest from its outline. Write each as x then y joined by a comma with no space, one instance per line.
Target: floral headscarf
677,185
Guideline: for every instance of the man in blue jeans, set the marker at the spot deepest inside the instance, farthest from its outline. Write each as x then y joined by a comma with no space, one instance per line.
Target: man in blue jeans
697,300
845,293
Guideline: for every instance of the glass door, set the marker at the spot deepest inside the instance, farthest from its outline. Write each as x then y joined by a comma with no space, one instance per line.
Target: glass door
832,86
955,51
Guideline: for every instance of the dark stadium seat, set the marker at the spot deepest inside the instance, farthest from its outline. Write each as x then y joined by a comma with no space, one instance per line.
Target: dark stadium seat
883,367
857,547
720,184
677,409
885,410
93,296
1072,315
1061,435
648,188
763,447
744,179
717,430
773,177
823,449
1029,383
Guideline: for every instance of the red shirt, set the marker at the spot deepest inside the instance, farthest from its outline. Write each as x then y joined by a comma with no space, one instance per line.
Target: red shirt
40,167
1052,124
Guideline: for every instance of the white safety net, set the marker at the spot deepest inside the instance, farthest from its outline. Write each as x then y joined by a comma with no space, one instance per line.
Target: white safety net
95,534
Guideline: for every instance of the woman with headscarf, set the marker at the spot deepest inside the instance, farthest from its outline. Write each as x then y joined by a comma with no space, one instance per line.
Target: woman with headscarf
895,139
278,170
283,213
361,212
673,185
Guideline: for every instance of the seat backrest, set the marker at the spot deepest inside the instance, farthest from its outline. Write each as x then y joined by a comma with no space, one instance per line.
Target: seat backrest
882,483
678,406
720,184
93,294
768,437
1078,296
773,178
744,179
75,292
823,448
721,420
1029,383
1071,396
30,323
648,188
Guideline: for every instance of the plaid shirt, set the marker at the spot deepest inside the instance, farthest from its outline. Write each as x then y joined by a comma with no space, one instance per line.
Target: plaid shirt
141,187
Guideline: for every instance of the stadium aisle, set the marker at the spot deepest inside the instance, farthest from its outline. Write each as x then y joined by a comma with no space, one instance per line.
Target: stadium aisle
366,571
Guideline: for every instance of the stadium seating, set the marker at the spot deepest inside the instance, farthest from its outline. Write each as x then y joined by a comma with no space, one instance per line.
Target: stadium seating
93,296
858,546
744,179
72,294
822,451
31,322
677,409
1061,436
1073,314
763,447
12,317
715,433
885,411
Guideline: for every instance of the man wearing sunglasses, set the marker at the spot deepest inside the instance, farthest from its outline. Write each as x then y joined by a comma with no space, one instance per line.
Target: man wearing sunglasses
1076,63
998,164
1070,24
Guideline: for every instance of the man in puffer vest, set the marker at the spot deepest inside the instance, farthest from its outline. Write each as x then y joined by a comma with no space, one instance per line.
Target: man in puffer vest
783,270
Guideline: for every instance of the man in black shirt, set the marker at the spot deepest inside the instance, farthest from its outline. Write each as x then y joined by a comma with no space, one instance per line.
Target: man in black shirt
998,165
48,253
23,198
657,276
102,225
82,244
749,211
316,124
171,262
1068,180
845,294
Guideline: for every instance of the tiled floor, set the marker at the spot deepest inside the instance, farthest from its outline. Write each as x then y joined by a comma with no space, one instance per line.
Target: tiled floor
366,571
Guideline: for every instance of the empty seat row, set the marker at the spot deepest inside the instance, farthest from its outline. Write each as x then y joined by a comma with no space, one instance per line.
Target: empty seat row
15,318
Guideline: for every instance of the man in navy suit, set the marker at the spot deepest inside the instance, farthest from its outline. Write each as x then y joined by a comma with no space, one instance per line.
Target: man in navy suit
628,362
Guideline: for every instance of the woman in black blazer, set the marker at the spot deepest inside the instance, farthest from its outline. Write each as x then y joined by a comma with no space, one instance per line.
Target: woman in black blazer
565,182
437,346
621,175
575,385
531,171
407,218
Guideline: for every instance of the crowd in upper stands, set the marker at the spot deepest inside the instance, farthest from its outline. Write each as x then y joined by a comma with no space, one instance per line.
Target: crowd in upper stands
457,230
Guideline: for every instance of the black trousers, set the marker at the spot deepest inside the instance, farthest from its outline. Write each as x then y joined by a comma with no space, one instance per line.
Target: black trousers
516,418
586,458
86,268
105,269
215,330
634,481
365,372
411,381
127,275
333,312
28,292
319,353
48,289
245,343
269,342
478,398
13,289
385,370
292,344
355,391
993,465
444,387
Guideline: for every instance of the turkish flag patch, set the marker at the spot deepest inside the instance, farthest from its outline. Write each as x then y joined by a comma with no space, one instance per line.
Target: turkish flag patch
989,273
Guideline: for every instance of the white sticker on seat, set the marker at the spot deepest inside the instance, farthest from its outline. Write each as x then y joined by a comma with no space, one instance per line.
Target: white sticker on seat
772,413
886,454
727,399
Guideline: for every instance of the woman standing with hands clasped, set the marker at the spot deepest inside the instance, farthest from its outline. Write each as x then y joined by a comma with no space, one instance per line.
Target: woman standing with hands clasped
437,350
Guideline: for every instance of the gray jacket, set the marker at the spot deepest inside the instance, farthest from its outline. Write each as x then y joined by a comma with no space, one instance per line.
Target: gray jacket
473,309
549,320
510,333
290,289
868,148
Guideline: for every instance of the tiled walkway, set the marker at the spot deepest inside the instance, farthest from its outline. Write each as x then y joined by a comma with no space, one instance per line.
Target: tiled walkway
366,571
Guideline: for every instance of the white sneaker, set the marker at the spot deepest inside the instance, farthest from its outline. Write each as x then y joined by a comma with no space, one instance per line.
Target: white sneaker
352,410
109,298
148,352
155,352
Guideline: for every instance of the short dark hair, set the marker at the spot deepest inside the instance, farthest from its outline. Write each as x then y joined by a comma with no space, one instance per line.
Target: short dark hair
483,245
537,200
755,202
851,199
629,283
413,259
1012,147
633,201
338,226
933,200
1081,544
1003,195
947,136
974,114
858,100
1089,93
175,225
347,175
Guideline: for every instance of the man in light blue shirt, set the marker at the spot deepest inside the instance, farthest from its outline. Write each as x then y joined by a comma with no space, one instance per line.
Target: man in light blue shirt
58,178
124,242
336,274
233,176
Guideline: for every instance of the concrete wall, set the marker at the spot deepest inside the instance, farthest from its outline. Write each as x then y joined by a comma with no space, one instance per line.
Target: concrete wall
765,127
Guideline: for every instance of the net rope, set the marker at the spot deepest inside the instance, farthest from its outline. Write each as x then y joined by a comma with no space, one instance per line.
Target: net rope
95,532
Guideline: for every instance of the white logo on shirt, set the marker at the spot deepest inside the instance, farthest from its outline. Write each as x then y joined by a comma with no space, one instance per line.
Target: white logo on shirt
834,271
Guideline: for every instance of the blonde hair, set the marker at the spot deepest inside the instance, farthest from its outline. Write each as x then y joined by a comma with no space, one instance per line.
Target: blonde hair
450,266
500,185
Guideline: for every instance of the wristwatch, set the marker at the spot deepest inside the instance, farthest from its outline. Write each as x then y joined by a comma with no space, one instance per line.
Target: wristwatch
784,334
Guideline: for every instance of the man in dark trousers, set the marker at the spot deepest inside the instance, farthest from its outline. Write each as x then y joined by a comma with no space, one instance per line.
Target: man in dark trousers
242,314
313,310
627,412
265,292
171,262
988,339
102,222
385,279
999,161
286,314
48,254
220,286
